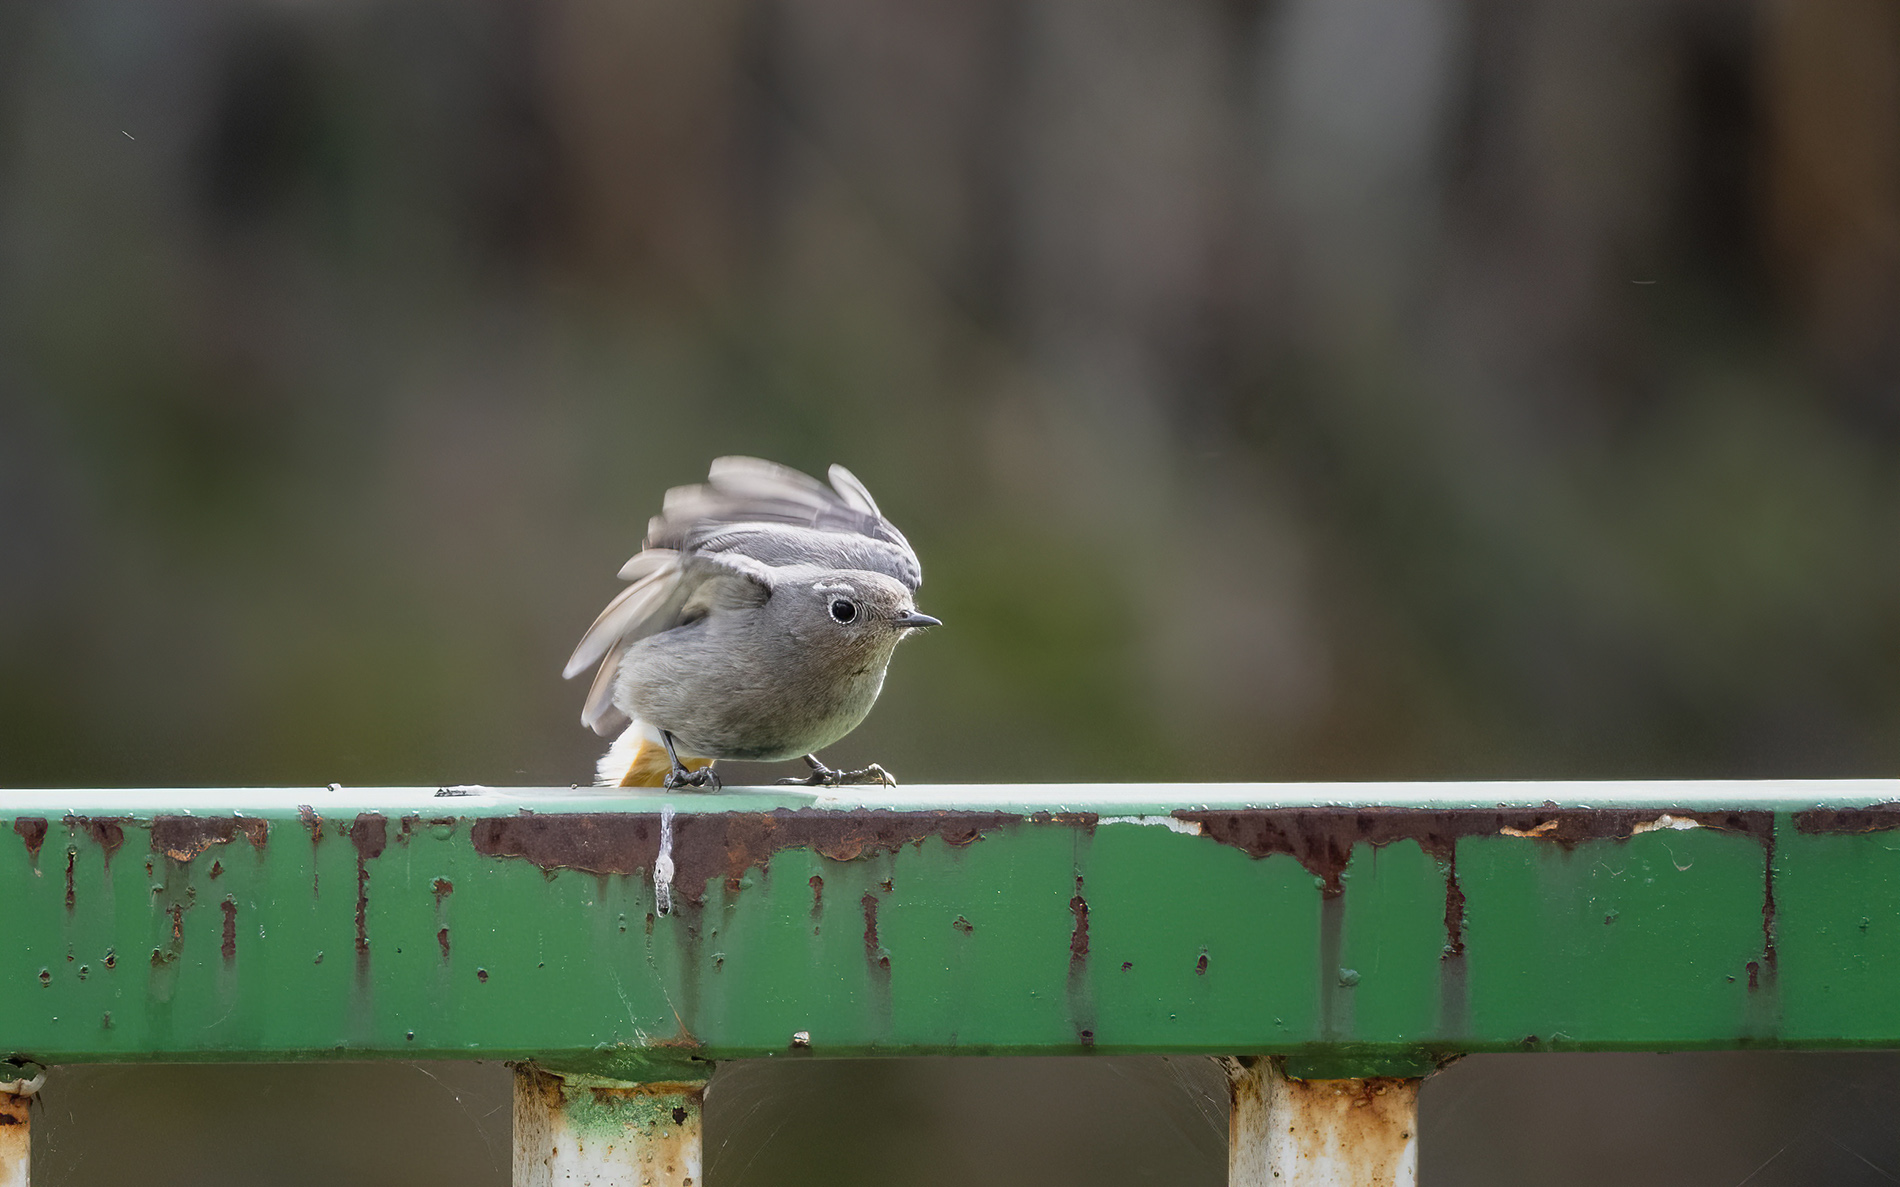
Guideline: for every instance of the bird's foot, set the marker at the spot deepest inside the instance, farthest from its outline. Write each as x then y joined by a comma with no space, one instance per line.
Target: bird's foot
824,776
679,776
704,777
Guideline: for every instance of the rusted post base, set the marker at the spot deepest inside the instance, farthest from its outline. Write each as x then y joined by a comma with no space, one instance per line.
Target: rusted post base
1319,1133
16,1140
16,1128
592,1132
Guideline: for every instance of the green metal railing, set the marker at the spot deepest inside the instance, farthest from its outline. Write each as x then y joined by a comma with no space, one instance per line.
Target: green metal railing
617,945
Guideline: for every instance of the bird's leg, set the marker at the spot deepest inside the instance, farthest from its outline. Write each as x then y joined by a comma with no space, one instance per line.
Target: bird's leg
679,776
823,776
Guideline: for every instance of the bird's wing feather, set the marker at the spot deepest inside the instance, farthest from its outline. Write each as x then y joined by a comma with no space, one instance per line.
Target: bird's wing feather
846,484
734,563
624,615
747,504
777,544
600,714
646,562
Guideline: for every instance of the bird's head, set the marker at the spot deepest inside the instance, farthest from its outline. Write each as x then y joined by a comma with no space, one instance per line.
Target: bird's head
856,608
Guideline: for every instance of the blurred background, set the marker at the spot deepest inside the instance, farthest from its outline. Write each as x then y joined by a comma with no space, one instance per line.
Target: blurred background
1274,389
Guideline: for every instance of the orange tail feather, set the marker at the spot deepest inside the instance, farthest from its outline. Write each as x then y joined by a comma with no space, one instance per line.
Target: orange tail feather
650,766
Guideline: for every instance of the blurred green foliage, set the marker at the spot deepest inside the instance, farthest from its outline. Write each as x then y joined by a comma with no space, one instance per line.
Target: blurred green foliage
1294,390
1260,429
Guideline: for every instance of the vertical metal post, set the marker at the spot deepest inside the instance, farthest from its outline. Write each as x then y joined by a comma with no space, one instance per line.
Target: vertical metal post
16,1128
593,1132
1319,1133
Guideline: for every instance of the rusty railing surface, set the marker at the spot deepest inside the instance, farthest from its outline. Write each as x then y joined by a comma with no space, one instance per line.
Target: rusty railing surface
1333,943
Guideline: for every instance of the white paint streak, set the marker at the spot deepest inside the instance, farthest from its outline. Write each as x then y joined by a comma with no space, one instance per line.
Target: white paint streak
1190,828
663,864
1664,821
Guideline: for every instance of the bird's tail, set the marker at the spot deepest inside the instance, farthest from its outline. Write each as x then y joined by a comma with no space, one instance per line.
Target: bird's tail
637,758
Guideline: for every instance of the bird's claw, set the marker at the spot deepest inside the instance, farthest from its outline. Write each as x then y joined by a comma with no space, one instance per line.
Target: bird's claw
824,776
871,774
704,777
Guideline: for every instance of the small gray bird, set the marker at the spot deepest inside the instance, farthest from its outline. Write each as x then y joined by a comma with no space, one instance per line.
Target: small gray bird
764,609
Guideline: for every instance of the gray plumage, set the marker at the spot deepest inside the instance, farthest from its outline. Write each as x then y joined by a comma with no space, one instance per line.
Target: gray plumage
761,614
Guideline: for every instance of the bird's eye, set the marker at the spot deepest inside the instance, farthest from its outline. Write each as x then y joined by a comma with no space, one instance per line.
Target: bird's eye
844,610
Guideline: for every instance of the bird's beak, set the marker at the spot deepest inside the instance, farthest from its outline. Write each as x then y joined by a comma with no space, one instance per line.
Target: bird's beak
912,619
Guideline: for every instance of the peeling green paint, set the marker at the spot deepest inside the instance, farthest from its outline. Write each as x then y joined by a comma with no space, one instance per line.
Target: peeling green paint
978,921
645,1110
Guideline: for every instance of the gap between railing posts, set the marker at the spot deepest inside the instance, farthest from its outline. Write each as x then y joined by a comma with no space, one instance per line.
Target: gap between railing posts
1283,1132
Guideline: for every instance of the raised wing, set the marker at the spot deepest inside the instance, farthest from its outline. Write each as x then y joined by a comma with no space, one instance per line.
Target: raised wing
748,519
779,516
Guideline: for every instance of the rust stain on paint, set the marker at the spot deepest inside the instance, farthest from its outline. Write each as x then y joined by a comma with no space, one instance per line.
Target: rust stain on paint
1081,1000
183,838
107,832
229,947
32,830
1322,839
720,846
369,834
